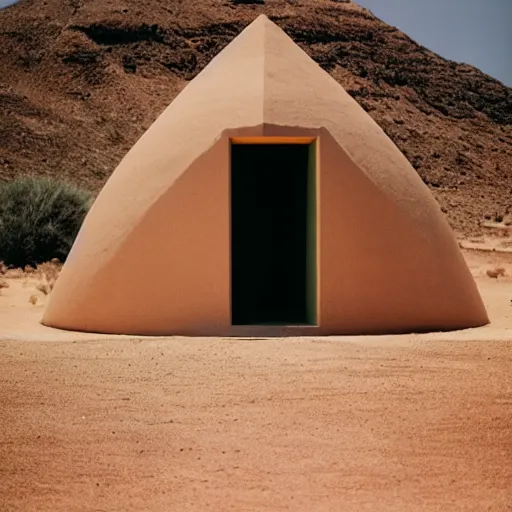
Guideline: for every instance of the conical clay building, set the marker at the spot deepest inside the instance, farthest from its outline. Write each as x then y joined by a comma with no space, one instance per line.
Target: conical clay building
264,201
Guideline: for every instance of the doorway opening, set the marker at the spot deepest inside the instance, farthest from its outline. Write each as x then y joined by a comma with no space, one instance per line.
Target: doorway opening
273,233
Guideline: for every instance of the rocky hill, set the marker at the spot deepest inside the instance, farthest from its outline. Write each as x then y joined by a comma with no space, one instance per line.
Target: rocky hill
81,80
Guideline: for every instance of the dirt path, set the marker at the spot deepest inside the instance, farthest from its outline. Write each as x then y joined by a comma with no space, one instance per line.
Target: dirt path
308,425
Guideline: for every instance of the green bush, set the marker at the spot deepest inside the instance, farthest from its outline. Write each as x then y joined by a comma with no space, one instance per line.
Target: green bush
39,220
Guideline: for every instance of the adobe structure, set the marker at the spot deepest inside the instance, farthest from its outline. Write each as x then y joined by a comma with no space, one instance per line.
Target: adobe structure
264,201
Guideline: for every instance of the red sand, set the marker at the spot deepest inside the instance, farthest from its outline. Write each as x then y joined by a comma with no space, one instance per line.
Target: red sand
394,423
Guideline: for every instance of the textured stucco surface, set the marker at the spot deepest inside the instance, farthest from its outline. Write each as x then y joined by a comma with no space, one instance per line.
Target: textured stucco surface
153,256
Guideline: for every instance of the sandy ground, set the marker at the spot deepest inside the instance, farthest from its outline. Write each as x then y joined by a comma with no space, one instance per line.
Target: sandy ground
393,423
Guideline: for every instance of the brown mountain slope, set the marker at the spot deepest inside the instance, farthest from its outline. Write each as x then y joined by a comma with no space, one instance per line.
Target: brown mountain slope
83,79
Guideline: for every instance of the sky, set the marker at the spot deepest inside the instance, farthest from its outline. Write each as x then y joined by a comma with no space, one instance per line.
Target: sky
5,3
477,32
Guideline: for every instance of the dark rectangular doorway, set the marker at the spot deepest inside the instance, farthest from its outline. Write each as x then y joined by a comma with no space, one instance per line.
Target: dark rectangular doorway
273,234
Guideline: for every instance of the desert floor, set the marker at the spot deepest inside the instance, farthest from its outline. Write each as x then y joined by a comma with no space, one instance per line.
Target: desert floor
392,423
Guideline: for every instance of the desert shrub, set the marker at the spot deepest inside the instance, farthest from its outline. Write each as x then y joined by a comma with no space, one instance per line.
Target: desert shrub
39,220
48,272
496,272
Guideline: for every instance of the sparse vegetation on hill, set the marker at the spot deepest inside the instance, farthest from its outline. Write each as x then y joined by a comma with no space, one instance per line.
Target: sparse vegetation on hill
82,80
39,220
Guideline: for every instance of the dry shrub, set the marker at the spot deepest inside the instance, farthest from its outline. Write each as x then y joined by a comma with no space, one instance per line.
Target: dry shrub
50,272
3,284
15,273
496,272
44,288
33,299
47,273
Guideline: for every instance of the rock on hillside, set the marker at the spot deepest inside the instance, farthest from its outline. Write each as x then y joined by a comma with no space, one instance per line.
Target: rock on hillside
83,79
